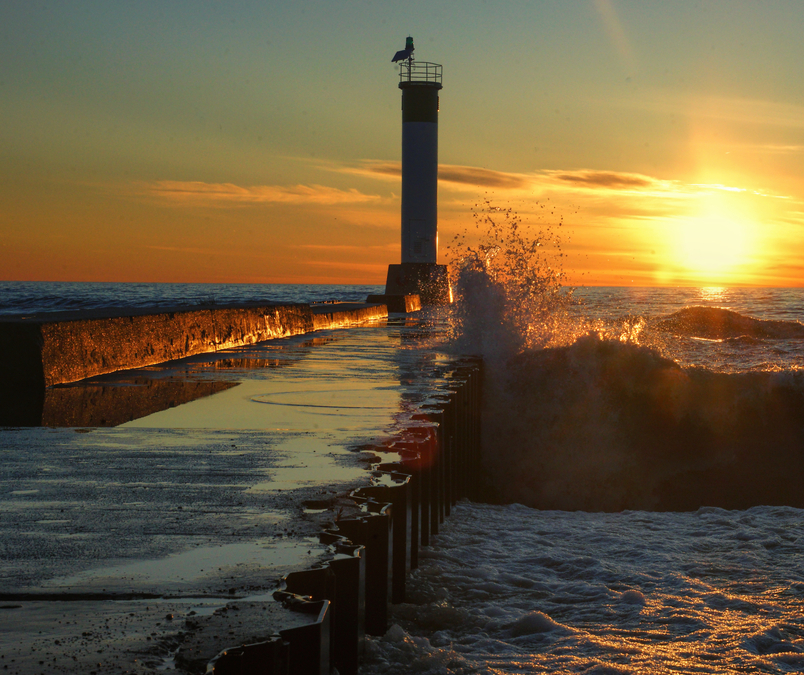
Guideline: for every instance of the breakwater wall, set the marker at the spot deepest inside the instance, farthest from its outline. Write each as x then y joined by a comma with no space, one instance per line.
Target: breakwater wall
56,348
330,609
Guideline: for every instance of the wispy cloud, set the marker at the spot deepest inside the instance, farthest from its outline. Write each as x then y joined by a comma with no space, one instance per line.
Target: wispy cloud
197,191
362,267
600,182
605,179
589,188
372,168
472,176
719,186
780,149
477,177
614,28
185,249
346,247
219,251
578,183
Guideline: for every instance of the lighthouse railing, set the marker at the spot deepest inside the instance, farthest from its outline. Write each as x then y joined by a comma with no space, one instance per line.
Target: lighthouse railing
420,71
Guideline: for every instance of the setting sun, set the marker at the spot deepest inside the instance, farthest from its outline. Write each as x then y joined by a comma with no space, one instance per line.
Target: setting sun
135,153
713,244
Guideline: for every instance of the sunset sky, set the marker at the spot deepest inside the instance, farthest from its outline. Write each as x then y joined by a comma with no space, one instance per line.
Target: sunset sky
245,141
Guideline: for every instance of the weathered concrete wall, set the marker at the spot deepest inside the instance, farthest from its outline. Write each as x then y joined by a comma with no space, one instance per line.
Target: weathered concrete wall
398,303
343,315
44,350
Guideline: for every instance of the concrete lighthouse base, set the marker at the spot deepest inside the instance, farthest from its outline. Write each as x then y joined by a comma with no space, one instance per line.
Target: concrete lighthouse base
430,281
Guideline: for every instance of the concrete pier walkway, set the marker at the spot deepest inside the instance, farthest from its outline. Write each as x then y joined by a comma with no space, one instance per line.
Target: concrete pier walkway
148,524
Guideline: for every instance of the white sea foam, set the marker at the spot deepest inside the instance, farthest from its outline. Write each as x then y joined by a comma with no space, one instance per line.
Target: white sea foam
508,589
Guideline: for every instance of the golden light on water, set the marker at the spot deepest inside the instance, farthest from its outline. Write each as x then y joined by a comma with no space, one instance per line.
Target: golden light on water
713,293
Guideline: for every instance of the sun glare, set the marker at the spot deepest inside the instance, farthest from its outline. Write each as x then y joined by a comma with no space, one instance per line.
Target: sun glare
713,245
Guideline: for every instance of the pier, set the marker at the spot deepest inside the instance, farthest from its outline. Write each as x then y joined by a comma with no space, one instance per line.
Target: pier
246,505
59,347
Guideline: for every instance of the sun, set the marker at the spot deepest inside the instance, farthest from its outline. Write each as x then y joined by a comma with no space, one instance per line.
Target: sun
713,243
716,243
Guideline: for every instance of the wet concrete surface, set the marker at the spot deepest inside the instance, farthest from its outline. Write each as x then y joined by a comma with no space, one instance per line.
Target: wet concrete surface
200,508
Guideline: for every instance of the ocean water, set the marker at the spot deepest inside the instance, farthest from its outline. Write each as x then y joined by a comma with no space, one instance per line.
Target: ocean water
643,459
721,329
27,297
643,505
653,399
510,589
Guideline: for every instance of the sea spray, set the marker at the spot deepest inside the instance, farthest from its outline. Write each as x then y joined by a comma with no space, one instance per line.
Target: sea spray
511,294
590,413
507,277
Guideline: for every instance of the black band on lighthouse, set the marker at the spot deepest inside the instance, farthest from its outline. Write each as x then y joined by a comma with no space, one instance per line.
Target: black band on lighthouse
419,102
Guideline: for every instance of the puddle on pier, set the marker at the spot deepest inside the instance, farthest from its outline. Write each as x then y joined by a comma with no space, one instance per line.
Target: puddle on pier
204,564
319,404
352,377
282,416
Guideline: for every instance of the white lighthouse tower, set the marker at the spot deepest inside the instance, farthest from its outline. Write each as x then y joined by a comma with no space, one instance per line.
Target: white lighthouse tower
419,271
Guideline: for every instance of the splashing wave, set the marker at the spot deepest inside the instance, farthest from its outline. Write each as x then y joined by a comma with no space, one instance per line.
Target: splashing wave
585,413
602,425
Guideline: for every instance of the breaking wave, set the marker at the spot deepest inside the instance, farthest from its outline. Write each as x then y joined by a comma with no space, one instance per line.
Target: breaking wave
603,425
606,414
715,323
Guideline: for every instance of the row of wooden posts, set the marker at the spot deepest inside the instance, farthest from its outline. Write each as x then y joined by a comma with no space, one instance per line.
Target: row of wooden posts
349,597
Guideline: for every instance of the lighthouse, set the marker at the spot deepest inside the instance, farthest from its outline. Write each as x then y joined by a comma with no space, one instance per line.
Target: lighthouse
418,271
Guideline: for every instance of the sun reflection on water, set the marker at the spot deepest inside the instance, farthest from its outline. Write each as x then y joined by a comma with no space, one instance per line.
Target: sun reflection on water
713,294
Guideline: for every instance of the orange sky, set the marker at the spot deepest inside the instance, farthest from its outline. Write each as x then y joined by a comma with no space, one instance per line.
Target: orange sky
258,142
